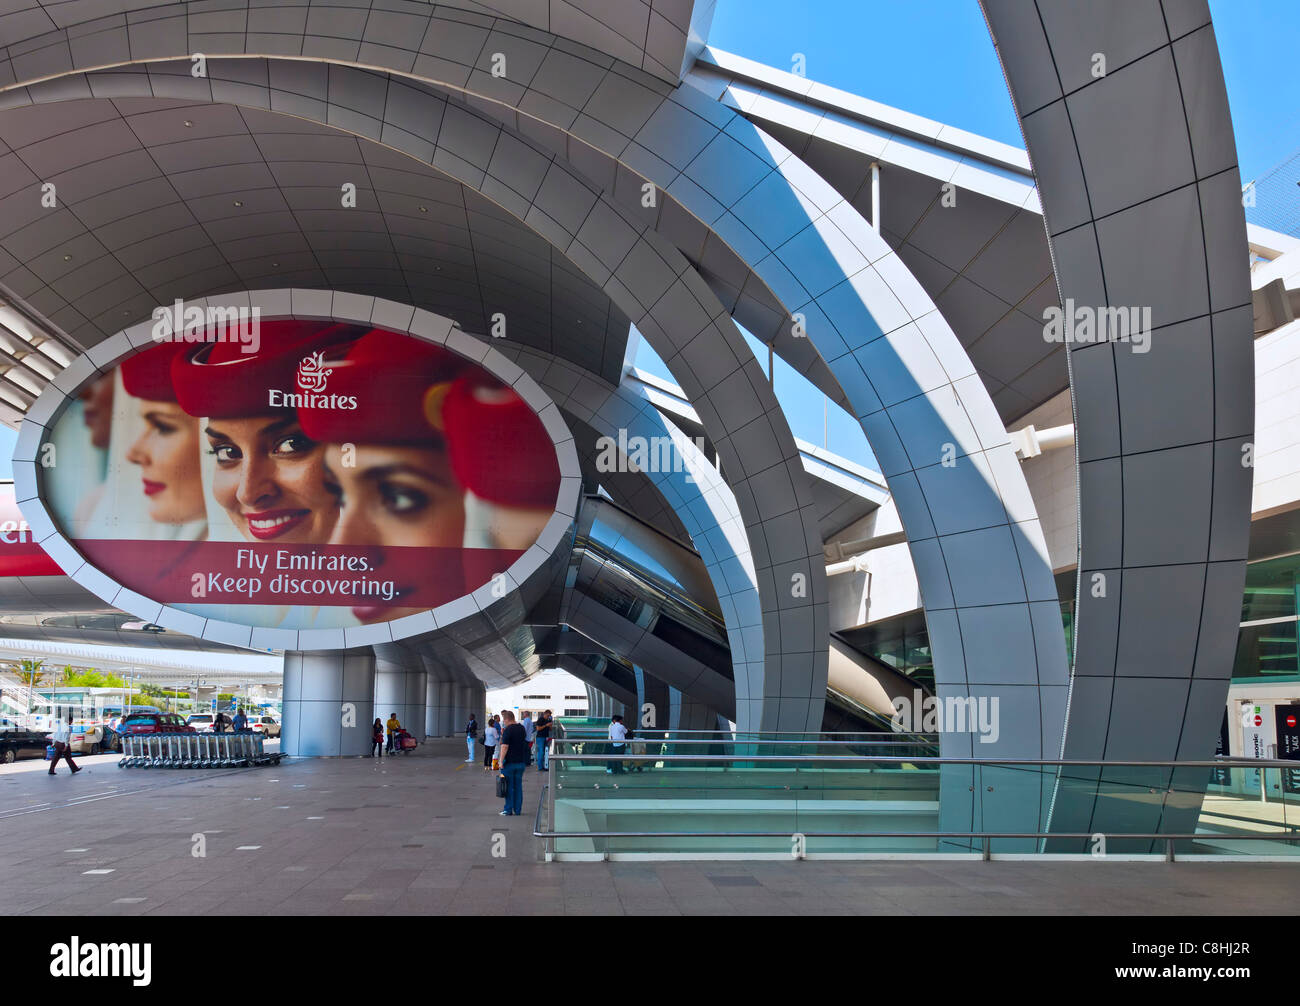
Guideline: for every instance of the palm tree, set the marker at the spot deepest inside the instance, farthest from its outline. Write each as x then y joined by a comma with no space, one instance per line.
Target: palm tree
29,672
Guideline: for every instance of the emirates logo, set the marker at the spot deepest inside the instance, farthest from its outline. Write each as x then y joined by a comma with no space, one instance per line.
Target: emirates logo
312,373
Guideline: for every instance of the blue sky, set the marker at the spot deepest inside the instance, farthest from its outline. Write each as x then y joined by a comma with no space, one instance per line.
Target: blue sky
935,58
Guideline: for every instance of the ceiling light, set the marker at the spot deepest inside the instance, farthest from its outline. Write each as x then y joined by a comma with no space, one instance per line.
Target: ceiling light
13,399
238,203
22,380
188,124
55,352
33,361
67,258
424,209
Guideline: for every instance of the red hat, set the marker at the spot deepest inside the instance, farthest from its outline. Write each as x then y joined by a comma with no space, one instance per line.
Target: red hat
397,383
221,381
148,375
499,449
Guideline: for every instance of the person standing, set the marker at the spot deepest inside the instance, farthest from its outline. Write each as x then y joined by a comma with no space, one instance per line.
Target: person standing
241,721
543,730
526,721
617,746
514,759
471,735
63,744
491,737
394,725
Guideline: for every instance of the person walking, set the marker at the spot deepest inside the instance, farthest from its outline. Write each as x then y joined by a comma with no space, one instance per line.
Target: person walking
471,735
540,746
514,759
63,744
491,737
376,738
394,725
617,746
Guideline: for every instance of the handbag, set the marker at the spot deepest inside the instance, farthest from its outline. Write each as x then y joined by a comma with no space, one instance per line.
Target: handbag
501,786
49,752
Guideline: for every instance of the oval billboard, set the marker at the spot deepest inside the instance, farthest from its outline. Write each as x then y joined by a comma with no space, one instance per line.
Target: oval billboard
299,474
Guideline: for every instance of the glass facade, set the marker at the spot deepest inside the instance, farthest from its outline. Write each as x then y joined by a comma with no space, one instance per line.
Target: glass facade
1267,646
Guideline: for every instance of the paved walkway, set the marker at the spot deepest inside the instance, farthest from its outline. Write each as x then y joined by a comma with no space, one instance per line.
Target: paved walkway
416,834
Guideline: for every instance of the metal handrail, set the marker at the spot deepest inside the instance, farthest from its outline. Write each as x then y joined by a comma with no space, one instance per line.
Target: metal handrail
776,733
537,818
1145,836
639,739
939,760
1288,835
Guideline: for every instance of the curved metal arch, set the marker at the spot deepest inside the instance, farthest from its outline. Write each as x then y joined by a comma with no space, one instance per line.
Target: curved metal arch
1164,495
683,320
982,566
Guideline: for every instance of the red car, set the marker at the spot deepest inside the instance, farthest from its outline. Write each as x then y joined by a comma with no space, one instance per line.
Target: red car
154,723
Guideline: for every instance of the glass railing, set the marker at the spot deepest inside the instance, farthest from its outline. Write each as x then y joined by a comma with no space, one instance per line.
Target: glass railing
685,797
592,736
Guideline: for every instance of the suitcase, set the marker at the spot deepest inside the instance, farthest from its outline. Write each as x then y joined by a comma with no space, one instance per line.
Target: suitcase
408,742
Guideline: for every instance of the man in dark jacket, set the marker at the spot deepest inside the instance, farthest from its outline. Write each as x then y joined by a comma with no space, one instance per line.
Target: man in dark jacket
471,734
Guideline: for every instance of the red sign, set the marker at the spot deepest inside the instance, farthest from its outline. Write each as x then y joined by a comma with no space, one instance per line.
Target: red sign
19,555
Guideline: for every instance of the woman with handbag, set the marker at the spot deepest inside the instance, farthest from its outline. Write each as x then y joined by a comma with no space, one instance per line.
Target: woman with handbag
376,738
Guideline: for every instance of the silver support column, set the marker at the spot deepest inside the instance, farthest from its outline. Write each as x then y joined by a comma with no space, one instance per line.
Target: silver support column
328,703
390,686
415,716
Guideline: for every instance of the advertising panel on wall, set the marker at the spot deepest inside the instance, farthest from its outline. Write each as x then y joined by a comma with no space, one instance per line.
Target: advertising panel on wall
299,474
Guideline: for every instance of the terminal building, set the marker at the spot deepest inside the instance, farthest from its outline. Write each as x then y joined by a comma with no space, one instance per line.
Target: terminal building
434,347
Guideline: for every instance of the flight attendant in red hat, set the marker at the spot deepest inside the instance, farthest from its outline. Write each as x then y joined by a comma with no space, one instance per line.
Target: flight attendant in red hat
387,459
269,476
505,459
168,449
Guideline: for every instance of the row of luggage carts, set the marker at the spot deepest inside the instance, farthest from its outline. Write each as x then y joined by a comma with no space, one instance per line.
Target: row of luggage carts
195,751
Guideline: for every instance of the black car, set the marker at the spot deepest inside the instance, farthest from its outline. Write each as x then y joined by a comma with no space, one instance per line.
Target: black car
15,744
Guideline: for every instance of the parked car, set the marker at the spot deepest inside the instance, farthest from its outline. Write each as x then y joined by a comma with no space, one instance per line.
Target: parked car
201,722
267,725
88,737
15,744
154,723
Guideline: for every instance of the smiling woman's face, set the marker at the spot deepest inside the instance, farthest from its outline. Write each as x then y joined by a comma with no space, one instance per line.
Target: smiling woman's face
168,455
270,479
395,496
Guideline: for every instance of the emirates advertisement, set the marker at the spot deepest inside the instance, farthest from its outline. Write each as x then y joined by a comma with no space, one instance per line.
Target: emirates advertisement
320,475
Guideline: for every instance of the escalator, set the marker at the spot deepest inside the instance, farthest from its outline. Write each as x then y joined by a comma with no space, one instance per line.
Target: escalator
634,596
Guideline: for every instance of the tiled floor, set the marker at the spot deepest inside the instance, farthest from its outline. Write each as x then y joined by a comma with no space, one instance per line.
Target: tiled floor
417,834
